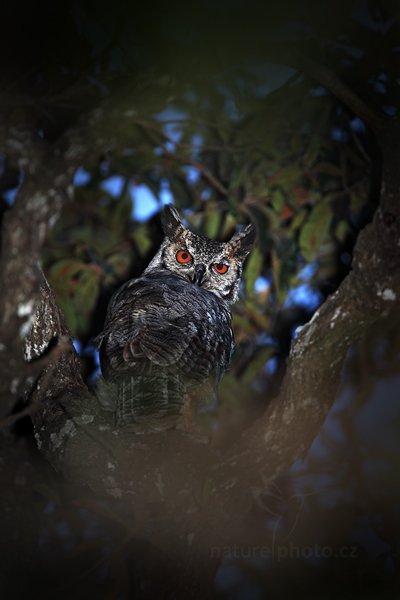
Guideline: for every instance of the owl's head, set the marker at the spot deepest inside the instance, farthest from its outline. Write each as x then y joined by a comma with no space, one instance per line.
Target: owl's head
213,266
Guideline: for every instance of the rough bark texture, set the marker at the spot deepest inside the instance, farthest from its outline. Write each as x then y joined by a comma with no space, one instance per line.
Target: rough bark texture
312,381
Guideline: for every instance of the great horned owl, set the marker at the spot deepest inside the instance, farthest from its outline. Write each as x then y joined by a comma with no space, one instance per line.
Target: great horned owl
167,338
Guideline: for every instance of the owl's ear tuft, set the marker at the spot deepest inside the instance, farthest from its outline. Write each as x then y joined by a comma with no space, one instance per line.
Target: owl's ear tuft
242,242
171,222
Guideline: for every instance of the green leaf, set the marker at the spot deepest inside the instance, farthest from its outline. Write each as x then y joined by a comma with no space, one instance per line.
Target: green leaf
272,217
119,263
298,220
284,265
342,230
278,200
315,230
122,210
87,290
85,298
288,176
228,226
69,312
65,269
142,239
357,201
252,270
212,222
232,206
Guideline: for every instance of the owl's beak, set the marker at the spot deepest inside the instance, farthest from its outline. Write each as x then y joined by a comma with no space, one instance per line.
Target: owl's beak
199,271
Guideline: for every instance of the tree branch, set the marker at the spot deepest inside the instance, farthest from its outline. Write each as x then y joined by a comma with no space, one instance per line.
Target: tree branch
342,92
312,382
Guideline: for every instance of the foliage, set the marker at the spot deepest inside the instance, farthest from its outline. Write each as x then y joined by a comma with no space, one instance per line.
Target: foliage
279,166
246,136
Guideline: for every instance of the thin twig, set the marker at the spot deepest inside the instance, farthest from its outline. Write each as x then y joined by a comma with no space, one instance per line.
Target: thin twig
208,176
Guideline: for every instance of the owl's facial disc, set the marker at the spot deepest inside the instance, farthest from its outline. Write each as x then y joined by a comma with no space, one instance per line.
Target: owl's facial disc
205,263
214,266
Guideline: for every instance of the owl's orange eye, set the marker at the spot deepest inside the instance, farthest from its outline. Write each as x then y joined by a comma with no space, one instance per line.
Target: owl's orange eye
184,257
221,268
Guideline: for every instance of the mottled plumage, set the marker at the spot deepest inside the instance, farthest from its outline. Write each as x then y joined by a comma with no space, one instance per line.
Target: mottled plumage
167,339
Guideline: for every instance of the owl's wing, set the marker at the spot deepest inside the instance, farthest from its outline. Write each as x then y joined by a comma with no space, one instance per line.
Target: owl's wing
159,337
145,321
168,323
